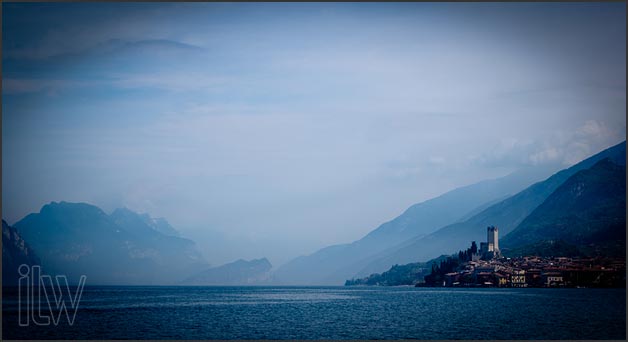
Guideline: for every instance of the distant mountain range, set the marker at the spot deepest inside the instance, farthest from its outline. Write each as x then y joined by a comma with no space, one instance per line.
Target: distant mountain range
585,217
343,262
15,252
240,272
122,248
578,210
334,264
506,214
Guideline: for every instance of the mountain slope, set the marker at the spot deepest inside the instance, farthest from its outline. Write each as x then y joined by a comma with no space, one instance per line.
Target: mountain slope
506,214
240,272
588,210
15,252
335,264
78,238
161,225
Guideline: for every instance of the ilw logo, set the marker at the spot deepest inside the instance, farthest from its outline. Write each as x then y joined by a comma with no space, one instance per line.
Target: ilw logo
39,298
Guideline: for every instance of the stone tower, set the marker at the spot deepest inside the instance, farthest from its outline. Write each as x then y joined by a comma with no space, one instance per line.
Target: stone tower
493,239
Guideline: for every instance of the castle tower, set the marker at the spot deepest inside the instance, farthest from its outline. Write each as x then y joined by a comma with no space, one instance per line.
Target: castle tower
493,239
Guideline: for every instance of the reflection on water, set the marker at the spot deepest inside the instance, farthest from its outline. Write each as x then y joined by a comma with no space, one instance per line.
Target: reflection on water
296,296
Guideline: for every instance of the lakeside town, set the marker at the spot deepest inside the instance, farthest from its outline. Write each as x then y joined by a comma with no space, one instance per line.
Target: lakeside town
487,267
532,271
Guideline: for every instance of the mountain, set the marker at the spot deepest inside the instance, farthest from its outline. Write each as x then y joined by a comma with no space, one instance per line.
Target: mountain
15,252
335,264
80,239
588,211
161,225
240,272
506,214
546,248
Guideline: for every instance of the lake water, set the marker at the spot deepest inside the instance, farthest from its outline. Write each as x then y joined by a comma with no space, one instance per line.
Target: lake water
333,313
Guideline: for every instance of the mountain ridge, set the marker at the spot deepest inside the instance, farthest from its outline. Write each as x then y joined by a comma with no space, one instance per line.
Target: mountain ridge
81,239
506,214
336,263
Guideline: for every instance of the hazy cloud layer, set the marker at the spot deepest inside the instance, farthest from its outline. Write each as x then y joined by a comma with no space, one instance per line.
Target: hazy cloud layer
275,129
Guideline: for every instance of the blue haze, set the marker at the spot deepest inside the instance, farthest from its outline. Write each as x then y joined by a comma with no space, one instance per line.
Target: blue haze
276,129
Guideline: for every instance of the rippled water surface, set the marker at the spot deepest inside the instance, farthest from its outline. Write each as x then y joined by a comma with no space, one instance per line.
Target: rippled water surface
333,313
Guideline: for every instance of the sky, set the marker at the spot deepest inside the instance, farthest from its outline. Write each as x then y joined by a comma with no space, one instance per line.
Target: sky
275,129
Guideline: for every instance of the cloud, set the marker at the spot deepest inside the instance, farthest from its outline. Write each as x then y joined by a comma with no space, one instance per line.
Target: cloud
545,156
593,129
49,86
173,81
436,160
561,147
90,25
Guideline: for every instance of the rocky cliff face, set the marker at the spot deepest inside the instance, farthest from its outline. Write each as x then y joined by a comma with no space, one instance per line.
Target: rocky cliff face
15,252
